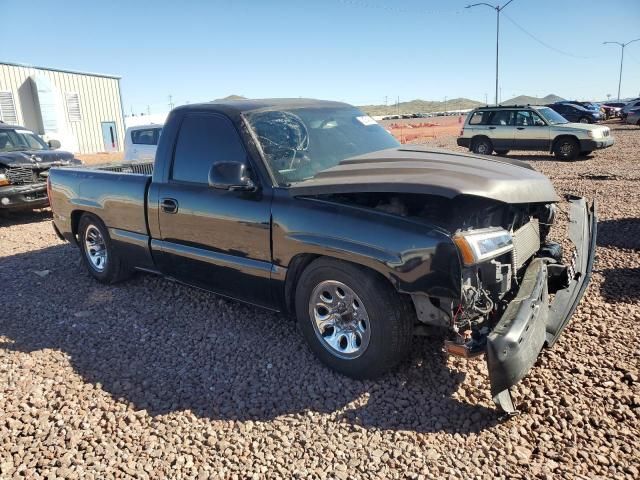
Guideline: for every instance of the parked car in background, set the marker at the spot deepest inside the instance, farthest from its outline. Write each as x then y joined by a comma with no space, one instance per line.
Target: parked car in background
635,103
141,142
25,160
311,207
633,117
613,108
527,127
576,113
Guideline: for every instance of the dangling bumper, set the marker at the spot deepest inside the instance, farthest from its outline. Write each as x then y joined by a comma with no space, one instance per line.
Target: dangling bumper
530,320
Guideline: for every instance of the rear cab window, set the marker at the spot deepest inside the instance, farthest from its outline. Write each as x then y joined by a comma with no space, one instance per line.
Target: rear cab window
147,136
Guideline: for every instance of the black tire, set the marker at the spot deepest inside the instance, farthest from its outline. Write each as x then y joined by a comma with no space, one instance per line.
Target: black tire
113,269
584,120
390,318
566,148
482,146
502,152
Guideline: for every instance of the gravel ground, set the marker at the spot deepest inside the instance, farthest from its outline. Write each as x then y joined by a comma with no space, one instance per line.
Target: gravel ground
149,379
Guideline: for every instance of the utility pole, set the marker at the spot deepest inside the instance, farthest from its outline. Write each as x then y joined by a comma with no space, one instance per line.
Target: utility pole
486,99
621,59
170,102
386,100
148,110
498,9
445,104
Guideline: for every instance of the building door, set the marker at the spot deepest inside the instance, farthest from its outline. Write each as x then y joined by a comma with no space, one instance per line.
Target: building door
109,136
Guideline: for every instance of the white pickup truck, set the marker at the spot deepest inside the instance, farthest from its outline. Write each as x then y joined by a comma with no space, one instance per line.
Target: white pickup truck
141,142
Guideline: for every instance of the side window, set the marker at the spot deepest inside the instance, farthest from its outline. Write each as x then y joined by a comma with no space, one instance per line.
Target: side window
479,118
202,141
144,137
502,118
537,120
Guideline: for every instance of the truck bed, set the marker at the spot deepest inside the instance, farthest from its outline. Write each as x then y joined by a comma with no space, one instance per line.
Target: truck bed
114,192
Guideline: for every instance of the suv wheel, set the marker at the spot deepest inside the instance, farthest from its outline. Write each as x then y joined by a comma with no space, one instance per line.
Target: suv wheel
483,146
567,148
584,120
352,319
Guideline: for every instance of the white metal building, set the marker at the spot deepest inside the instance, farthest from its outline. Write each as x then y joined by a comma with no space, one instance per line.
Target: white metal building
81,110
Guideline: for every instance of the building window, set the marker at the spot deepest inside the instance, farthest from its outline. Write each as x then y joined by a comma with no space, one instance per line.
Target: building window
73,107
8,108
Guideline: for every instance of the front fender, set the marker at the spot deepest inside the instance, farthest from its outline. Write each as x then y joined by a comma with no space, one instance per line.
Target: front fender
415,257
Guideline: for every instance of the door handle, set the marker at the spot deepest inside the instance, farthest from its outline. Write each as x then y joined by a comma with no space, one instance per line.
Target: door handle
169,205
520,128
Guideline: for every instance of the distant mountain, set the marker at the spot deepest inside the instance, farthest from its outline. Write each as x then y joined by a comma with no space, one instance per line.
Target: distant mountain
233,97
527,100
421,106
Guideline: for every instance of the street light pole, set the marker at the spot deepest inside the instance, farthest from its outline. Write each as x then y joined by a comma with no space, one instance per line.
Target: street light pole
621,60
498,9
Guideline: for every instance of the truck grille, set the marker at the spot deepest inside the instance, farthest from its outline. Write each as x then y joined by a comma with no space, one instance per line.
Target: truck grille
526,242
22,175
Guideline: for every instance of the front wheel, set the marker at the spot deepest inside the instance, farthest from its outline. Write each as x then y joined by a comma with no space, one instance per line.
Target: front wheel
102,261
584,120
567,149
352,319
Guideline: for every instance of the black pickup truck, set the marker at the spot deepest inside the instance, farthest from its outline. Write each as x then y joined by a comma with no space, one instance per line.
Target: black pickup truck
25,160
311,207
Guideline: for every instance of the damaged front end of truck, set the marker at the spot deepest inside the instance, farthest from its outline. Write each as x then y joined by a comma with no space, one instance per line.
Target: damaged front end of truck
518,293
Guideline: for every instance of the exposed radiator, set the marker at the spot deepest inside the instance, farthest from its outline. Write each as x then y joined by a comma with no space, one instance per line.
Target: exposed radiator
526,242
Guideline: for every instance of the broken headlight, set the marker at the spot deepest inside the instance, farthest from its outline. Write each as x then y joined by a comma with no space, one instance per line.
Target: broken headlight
476,246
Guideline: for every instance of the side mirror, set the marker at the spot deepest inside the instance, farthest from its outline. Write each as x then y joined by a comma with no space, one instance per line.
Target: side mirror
230,176
54,144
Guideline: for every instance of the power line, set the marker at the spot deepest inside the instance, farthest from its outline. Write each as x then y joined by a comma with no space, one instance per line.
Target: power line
543,43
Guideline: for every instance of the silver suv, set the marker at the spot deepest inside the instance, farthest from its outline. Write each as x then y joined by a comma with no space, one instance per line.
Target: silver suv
500,129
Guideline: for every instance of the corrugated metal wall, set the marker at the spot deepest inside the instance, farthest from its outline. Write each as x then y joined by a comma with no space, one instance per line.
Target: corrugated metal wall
99,102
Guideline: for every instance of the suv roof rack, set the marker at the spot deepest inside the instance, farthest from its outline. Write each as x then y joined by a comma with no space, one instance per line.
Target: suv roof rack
505,106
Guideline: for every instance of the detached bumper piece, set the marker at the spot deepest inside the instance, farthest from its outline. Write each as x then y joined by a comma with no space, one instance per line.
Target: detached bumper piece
530,322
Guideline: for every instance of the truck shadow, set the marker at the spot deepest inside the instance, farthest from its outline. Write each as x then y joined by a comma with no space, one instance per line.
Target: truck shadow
620,284
9,219
165,348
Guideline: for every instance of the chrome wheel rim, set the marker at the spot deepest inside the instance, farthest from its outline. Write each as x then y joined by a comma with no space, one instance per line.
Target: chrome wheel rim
584,120
339,319
95,248
482,148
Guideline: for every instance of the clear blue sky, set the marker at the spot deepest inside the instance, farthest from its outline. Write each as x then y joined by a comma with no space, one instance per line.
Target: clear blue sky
358,51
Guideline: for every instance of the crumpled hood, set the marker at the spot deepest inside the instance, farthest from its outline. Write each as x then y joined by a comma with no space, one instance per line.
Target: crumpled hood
36,158
423,170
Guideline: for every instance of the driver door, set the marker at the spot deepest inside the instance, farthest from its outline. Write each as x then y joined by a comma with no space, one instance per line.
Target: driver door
214,238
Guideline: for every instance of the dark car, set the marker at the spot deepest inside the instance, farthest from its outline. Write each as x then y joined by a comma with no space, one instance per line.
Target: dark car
312,208
25,160
613,109
576,113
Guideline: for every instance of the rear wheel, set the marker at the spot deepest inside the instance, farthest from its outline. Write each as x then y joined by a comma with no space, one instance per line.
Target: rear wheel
567,148
483,146
102,261
584,120
502,152
352,319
